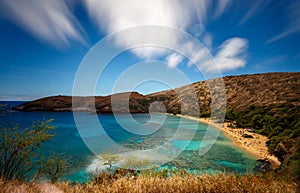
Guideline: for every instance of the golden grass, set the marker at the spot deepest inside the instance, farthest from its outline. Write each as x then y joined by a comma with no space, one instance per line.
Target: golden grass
204,183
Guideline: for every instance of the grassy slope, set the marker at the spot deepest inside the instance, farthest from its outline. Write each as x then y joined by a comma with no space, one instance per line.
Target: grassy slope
203,183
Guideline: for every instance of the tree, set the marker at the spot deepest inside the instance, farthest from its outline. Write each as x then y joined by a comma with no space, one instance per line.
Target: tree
18,149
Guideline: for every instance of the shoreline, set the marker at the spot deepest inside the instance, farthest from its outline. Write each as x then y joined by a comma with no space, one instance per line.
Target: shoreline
255,146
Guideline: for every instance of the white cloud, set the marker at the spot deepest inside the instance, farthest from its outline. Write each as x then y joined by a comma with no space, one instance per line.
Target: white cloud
115,15
51,21
194,54
257,6
174,59
294,23
207,40
231,55
197,29
221,6
232,48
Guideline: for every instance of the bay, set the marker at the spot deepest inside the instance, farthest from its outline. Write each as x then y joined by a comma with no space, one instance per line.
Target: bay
71,142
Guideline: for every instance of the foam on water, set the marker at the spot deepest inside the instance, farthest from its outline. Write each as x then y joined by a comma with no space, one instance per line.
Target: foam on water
96,166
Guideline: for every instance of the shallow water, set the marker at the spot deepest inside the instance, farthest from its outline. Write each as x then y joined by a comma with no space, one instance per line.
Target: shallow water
70,143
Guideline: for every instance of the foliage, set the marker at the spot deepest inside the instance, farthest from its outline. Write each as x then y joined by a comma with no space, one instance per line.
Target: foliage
247,135
18,149
281,124
53,168
175,112
204,113
153,184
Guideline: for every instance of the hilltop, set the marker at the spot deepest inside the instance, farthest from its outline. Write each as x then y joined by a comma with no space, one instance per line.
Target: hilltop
242,92
102,104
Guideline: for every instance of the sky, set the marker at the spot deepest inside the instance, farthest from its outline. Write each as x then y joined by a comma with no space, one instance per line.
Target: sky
44,43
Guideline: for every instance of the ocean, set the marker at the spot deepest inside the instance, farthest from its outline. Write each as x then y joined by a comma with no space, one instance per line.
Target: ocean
163,139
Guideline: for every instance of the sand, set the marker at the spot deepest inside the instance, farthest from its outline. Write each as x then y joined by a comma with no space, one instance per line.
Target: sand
255,146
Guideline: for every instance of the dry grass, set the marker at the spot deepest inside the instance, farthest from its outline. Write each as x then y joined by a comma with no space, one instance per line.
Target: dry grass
203,183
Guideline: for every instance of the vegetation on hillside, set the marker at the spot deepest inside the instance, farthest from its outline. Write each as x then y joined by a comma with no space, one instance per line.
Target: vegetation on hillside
281,124
153,184
20,158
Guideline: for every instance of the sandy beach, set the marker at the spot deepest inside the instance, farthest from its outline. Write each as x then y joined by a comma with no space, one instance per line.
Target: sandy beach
256,145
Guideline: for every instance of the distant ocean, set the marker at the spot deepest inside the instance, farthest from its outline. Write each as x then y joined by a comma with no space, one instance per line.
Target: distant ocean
223,156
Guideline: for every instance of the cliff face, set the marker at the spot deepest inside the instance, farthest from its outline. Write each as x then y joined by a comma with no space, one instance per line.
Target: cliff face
242,92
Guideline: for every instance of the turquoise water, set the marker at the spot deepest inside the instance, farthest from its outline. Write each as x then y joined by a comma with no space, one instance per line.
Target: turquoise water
82,162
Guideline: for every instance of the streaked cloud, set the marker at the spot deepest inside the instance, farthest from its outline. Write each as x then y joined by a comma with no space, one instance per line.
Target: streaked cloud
207,40
53,22
231,55
173,60
221,6
293,24
256,7
50,21
115,15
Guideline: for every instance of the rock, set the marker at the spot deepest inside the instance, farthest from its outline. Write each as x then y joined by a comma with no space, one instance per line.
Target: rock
264,165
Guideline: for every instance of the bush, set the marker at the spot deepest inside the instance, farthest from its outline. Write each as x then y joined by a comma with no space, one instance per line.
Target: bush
247,136
53,168
18,149
19,157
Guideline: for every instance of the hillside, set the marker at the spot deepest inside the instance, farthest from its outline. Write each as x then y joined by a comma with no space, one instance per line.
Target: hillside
242,92
102,104
268,104
154,183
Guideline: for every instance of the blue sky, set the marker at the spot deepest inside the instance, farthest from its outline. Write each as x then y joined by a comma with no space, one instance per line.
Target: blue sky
44,42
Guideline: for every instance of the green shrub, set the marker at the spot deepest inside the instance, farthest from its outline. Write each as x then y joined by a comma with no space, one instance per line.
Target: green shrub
18,149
